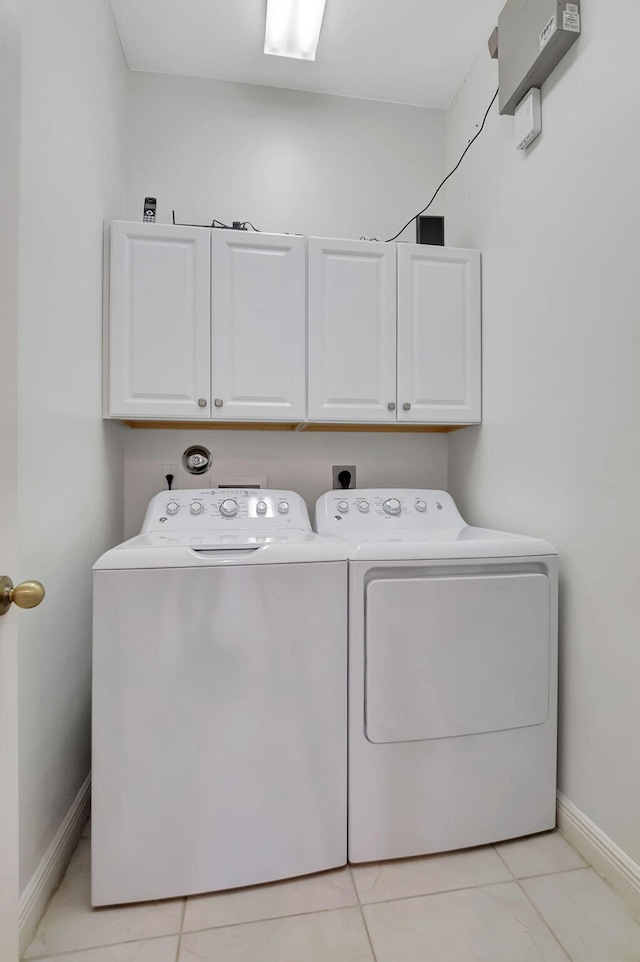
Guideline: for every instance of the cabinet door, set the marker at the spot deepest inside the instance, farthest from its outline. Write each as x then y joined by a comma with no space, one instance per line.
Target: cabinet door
438,334
160,321
352,330
259,326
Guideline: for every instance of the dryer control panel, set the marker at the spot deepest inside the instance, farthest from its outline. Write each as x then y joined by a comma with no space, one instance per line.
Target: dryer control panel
383,509
222,508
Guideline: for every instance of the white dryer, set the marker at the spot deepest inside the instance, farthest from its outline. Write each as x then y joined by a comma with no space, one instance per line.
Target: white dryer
219,699
452,675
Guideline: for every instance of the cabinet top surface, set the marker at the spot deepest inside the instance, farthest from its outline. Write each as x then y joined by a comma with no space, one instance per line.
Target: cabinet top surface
148,228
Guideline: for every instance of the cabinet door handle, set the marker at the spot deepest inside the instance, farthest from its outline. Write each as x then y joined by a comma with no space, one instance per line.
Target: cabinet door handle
218,402
406,406
202,402
391,405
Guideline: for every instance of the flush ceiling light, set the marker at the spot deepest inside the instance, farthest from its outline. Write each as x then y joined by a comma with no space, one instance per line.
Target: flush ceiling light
293,28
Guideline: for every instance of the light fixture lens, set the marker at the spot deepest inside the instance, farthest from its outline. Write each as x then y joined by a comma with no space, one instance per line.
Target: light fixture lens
293,28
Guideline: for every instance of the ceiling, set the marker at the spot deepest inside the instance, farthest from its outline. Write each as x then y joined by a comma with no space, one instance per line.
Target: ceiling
404,51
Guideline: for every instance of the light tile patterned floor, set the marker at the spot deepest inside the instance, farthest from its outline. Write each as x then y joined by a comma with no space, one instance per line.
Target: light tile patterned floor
532,900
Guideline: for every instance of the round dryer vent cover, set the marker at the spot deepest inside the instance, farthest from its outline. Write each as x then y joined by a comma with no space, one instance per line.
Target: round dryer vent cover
197,460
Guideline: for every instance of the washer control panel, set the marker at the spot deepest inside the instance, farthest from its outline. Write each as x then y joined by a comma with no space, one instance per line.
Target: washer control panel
380,509
219,508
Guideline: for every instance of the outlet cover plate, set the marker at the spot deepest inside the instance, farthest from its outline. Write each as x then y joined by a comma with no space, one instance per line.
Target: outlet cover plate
337,469
170,469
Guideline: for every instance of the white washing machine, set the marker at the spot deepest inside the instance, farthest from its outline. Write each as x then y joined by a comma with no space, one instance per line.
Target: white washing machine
219,699
452,675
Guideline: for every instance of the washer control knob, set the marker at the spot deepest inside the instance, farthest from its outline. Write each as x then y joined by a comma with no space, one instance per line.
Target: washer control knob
173,507
261,507
363,506
343,506
196,507
421,505
283,507
392,506
229,508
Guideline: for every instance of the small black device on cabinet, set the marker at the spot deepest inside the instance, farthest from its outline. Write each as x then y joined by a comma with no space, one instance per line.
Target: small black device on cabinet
149,212
430,230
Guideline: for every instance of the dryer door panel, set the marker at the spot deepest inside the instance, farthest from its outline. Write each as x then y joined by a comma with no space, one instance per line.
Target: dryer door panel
458,655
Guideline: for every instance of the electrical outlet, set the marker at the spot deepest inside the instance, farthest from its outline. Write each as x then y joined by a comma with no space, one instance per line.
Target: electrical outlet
169,469
337,471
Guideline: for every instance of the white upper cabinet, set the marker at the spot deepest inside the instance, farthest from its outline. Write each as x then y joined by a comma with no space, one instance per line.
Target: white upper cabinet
439,321
159,336
224,325
258,290
352,330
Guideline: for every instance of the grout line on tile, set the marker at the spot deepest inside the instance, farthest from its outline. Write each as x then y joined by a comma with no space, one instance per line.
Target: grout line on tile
364,921
541,916
353,882
577,868
184,914
504,863
562,871
268,918
286,915
95,948
369,939
424,895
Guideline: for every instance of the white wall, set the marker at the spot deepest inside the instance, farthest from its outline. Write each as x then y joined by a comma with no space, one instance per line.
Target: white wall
287,160
70,462
558,453
290,460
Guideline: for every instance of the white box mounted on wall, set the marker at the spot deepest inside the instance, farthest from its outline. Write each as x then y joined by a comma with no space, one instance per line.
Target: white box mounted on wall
528,119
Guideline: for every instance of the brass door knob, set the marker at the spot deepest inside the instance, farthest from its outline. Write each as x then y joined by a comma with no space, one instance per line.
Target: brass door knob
28,594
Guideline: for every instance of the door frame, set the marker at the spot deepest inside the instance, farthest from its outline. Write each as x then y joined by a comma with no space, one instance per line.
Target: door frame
10,67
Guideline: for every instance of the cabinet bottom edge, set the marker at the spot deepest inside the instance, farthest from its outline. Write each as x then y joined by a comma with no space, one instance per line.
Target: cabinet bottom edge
303,426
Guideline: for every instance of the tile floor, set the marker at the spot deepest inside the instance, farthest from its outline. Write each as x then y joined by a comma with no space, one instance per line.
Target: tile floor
533,900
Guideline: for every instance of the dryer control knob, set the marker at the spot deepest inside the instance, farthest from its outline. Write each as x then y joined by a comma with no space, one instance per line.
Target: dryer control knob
343,506
392,506
173,507
421,505
196,507
363,506
229,508
261,507
283,507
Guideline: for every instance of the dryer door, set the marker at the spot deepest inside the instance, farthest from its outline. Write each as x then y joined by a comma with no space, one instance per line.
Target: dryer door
455,655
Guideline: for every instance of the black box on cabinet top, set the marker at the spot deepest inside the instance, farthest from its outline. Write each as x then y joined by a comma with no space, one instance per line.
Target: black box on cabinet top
430,230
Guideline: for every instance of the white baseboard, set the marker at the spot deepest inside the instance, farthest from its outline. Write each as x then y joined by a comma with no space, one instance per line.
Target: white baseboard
47,875
600,851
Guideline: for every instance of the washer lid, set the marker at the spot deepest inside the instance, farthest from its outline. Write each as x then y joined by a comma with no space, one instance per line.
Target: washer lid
208,548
